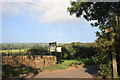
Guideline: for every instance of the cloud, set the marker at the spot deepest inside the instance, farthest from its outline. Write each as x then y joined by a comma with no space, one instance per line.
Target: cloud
9,9
18,0
45,11
57,11
57,35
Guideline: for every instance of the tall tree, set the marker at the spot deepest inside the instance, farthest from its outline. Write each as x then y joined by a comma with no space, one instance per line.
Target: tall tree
107,17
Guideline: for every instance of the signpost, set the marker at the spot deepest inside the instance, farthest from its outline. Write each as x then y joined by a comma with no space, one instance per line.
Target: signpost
108,30
54,48
114,62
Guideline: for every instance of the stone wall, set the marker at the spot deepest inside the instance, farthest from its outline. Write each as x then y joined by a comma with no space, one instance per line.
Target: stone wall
30,61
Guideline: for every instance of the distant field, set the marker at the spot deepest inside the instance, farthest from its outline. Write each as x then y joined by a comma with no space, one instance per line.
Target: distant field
6,46
13,51
18,48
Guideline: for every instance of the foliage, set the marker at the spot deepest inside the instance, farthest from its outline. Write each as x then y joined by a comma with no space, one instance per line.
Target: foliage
77,50
71,62
11,72
106,15
64,64
84,61
38,50
16,46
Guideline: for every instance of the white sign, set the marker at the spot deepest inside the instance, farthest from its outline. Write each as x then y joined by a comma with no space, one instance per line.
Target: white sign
53,48
59,49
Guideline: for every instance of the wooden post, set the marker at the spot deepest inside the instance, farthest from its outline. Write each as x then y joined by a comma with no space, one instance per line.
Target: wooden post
49,51
56,49
114,62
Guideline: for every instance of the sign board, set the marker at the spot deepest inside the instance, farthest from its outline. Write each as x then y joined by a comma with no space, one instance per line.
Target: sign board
59,49
52,48
108,30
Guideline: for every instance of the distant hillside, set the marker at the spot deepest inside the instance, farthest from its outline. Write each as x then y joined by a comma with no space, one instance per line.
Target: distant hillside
20,45
6,46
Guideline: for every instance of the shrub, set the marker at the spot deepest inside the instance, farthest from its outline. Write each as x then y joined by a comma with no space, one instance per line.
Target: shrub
38,50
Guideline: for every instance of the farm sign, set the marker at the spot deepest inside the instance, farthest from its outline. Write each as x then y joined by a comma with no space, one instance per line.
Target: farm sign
54,48
59,49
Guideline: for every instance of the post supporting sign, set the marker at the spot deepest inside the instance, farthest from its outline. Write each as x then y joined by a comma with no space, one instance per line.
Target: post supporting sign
114,62
108,30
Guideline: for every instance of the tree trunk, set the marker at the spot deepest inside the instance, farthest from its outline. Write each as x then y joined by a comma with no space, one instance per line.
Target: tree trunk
114,62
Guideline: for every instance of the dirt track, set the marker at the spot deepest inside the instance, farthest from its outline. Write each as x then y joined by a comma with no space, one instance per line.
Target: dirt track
83,72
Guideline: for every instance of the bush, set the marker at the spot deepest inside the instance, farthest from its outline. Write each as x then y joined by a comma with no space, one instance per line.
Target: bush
75,63
11,72
78,50
38,50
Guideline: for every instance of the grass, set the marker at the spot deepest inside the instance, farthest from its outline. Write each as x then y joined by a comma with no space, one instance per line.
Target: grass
64,64
85,61
70,63
54,67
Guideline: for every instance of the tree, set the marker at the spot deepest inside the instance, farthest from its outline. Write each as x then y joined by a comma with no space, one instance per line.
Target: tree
107,15
38,50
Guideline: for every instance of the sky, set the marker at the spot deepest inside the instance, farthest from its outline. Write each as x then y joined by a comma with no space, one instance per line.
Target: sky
43,21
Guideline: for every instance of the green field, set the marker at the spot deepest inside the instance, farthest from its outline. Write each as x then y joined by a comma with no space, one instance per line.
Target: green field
17,51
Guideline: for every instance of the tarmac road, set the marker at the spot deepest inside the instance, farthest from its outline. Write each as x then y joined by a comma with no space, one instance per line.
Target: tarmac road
83,72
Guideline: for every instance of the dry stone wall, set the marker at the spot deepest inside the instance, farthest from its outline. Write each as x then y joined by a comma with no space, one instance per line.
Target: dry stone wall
29,61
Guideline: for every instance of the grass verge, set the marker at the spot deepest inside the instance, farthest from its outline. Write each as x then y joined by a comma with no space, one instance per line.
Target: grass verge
65,64
54,67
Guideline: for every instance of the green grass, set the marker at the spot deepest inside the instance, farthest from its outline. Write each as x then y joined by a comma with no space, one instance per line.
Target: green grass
85,61
54,67
64,64
69,62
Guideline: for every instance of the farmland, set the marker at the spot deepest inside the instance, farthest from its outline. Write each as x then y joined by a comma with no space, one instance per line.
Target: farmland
18,48
9,46
17,51
75,50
